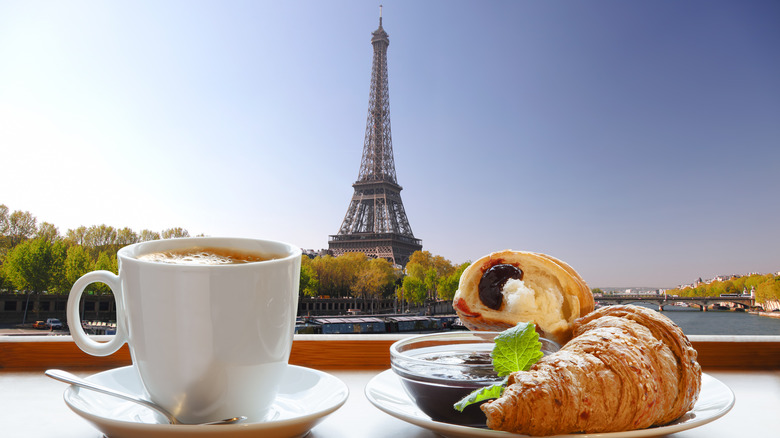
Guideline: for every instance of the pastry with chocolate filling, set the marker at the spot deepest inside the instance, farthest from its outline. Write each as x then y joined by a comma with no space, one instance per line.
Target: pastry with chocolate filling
627,368
507,287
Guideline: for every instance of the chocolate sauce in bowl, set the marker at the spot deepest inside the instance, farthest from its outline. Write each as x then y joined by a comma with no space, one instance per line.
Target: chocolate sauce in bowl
436,375
435,389
437,400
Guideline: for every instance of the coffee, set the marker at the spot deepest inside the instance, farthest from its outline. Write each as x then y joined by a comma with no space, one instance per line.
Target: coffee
206,256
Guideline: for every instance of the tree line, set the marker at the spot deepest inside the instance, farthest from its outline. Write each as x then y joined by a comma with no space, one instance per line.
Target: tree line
38,258
425,277
766,287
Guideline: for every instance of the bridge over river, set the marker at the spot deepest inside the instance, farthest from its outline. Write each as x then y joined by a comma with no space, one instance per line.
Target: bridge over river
738,302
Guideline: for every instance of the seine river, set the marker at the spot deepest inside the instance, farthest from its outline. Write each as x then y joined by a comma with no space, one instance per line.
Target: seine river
721,322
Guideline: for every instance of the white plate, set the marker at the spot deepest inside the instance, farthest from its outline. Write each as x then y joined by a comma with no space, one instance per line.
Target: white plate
385,391
305,397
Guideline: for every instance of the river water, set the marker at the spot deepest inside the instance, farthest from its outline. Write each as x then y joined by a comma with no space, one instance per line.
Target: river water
721,322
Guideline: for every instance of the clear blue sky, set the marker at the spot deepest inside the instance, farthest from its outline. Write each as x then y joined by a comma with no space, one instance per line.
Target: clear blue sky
637,140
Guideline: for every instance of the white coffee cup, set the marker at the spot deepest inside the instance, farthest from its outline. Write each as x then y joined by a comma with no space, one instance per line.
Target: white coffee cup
209,341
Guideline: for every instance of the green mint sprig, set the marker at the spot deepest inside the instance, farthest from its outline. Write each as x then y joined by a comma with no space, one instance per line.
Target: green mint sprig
516,349
482,394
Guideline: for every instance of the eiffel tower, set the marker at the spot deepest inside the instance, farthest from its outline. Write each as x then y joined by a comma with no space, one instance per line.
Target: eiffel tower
376,223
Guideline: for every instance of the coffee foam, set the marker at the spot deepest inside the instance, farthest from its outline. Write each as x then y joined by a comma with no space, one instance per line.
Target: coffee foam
205,256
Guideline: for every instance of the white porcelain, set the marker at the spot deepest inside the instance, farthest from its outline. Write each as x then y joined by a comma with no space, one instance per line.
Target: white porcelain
305,398
209,342
385,392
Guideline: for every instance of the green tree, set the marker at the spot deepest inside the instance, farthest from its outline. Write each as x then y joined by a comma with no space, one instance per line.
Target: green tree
431,281
324,267
415,270
439,264
425,276
768,290
753,281
739,284
449,285
309,284
31,265
432,271
77,263
413,290
106,261
57,283
729,288
716,288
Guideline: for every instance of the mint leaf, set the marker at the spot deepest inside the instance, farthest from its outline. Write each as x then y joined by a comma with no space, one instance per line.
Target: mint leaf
516,349
486,393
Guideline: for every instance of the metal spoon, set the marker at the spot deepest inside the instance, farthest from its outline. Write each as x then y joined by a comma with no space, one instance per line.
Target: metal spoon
64,376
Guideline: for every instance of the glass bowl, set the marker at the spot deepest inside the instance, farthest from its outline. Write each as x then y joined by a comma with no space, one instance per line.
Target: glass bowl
438,370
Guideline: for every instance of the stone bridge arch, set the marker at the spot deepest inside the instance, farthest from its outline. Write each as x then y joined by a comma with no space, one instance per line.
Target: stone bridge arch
661,301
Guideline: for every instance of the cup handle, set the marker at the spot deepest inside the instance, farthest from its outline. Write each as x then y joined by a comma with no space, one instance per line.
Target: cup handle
74,320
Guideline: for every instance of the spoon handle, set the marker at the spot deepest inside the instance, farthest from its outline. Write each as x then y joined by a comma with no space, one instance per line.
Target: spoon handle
64,376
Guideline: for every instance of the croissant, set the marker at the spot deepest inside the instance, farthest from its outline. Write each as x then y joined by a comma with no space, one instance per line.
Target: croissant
627,368
507,287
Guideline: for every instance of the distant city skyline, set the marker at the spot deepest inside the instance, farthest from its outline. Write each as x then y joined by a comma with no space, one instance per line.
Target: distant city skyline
637,141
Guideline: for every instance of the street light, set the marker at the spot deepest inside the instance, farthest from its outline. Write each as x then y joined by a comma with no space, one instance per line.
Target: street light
26,305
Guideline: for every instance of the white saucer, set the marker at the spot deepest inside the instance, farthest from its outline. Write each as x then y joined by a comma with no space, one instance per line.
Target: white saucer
305,397
385,391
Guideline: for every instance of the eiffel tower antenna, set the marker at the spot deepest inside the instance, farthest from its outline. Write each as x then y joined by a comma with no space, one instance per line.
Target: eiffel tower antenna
376,222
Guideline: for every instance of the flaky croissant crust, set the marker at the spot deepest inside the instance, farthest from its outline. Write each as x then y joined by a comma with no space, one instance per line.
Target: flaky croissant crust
626,368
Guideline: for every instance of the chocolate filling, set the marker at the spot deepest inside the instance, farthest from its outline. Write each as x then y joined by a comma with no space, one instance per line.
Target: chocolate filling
493,281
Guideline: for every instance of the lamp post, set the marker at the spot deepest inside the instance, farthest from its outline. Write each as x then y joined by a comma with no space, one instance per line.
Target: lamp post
26,305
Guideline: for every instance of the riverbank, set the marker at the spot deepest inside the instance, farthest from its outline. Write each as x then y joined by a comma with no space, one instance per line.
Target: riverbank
771,309
768,314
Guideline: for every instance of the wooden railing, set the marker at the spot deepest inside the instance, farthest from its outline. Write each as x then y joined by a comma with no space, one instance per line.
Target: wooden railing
361,352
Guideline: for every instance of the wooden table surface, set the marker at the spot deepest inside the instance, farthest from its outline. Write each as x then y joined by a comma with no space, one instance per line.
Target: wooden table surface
31,405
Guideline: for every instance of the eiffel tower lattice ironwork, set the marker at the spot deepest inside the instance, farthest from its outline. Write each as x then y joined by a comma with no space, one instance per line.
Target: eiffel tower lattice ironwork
376,222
